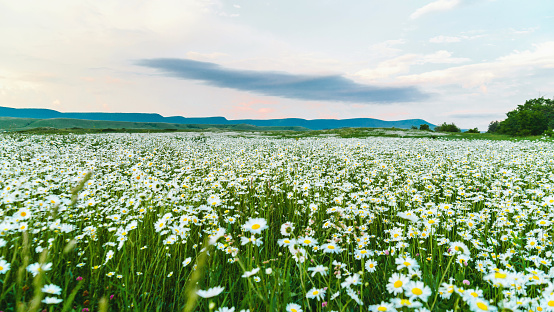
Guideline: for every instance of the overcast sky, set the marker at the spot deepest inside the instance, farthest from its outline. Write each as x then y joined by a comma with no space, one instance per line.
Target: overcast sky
462,61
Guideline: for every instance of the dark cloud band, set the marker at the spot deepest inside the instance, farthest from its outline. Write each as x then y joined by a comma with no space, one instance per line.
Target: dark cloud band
303,87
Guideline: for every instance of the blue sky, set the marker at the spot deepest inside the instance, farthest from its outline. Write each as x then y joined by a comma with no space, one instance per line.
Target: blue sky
462,61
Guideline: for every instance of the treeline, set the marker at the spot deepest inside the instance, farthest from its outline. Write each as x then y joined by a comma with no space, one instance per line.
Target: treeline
535,117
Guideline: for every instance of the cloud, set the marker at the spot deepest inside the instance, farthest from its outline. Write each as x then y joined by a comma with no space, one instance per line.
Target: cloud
444,39
439,5
281,84
517,64
402,64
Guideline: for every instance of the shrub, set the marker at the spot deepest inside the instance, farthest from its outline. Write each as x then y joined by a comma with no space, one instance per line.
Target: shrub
424,127
447,128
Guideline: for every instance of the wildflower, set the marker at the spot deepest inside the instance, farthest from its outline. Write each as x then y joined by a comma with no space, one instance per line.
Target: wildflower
351,280
406,262
331,248
409,303
287,228
286,242
481,305
51,289
383,306
211,292
186,261
226,309
51,300
396,284
318,269
371,265
250,273
315,293
4,266
307,241
36,268
255,225
293,307
418,290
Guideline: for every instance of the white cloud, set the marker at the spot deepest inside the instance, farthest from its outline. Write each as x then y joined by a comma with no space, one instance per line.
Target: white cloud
386,48
439,5
445,39
402,64
516,64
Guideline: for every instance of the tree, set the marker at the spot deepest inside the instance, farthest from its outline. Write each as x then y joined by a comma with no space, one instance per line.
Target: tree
447,128
424,127
474,130
532,118
493,126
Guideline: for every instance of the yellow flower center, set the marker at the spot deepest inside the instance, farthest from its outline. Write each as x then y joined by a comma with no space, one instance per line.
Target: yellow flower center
398,284
371,265
23,213
551,303
500,275
331,247
482,306
307,241
287,241
381,308
255,226
293,310
405,302
406,263
416,291
315,293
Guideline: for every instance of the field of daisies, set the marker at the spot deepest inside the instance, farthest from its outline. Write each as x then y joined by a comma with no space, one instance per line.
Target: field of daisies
181,222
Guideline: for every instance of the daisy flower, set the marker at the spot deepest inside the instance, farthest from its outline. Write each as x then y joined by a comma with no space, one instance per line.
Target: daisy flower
51,300
383,306
250,273
287,228
4,266
307,241
315,293
481,305
51,289
397,282
331,248
255,225
318,269
293,307
211,292
418,290
406,262
186,261
371,265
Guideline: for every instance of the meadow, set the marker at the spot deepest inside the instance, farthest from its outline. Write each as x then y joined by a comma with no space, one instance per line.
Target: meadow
182,222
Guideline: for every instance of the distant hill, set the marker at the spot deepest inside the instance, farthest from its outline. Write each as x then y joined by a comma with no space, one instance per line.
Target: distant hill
77,125
313,124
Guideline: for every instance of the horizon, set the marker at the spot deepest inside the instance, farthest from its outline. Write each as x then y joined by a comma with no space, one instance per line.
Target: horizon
462,61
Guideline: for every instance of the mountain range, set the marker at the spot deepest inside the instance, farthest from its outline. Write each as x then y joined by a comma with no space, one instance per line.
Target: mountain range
314,124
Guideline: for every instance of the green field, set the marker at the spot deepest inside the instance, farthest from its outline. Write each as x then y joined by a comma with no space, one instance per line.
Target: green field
219,222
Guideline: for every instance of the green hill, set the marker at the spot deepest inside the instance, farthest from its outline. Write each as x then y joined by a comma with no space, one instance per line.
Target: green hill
77,125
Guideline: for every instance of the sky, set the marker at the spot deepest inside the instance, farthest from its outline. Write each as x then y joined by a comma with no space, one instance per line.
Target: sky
462,61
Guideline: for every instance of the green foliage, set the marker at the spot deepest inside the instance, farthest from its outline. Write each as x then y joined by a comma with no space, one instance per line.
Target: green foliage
493,126
447,128
532,118
413,127
474,130
424,127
